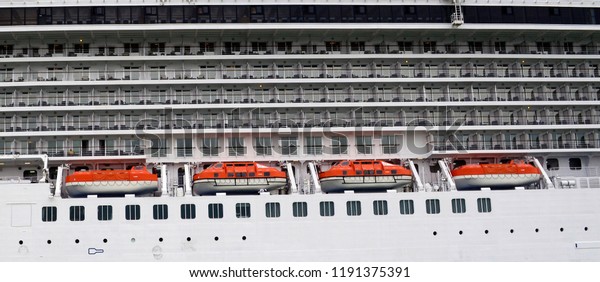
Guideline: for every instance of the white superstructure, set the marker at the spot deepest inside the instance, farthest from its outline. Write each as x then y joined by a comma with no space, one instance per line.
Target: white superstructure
179,85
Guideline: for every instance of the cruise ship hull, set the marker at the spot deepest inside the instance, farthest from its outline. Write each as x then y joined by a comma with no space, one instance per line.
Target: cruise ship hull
495,181
364,183
237,186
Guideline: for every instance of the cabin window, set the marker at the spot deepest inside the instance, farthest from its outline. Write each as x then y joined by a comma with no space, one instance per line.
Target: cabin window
188,211
327,208
49,214
289,145
215,210
432,206
242,210
77,213
236,146
263,146
273,209
407,207
105,213
353,208
160,212
300,209
458,206
380,207
132,212
575,163
552,164
313,145
484,205
364,144
339,145
389,143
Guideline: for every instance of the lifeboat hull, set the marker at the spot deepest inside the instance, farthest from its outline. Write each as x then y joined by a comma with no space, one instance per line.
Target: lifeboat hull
364,183
237,185
110,188
494,181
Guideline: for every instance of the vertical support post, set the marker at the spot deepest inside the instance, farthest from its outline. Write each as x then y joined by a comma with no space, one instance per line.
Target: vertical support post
314,176
187,178
416,176
291,178
164,180
59,181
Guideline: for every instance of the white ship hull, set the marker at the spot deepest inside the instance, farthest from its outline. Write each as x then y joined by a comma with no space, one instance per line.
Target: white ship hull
495,181
102,188
364,184
530,225
237,186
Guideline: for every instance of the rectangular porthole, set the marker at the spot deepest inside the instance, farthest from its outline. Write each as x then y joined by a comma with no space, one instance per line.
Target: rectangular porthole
242,210
380,207
407,207
215,210
77,213
432,206
458,206
160,212
353,208
273,209
300,209
105,213
49,214
327,208
484,205
132,212
188,211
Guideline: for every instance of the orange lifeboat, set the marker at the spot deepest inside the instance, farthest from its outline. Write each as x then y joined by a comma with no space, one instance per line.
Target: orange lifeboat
364,176
495,176
238,178
136,180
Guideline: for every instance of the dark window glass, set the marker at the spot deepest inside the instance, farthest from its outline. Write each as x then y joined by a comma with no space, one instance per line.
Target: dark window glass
105,213
575,163
160,212
49,214
552,164
300,209
327,208
242,210
215,210
458,206
407,207
353,208
484,205
432,206
273,209
188,211
132,212
77,213
380,207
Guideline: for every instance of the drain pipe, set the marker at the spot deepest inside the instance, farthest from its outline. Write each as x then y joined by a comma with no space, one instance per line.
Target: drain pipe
416,175
291,178
547,180
447,175
314,177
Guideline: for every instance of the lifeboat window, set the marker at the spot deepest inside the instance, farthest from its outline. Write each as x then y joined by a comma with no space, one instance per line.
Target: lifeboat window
230,175
215,210
218,165
160,212
432,206
369,172
380,207
344,172
105,213
356,163
188,211
77,213
242,210
132,212
552,164
575,163
267,173
459,163
407,207
345,163
300,209
327,208
353,208
379,171
358,172
484,205
458,206
229,164
273,209
216,175
251,174
394,171
49,214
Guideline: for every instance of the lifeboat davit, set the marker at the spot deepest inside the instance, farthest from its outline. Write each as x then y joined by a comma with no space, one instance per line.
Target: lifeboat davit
136,180
495,176
364,176
238,178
